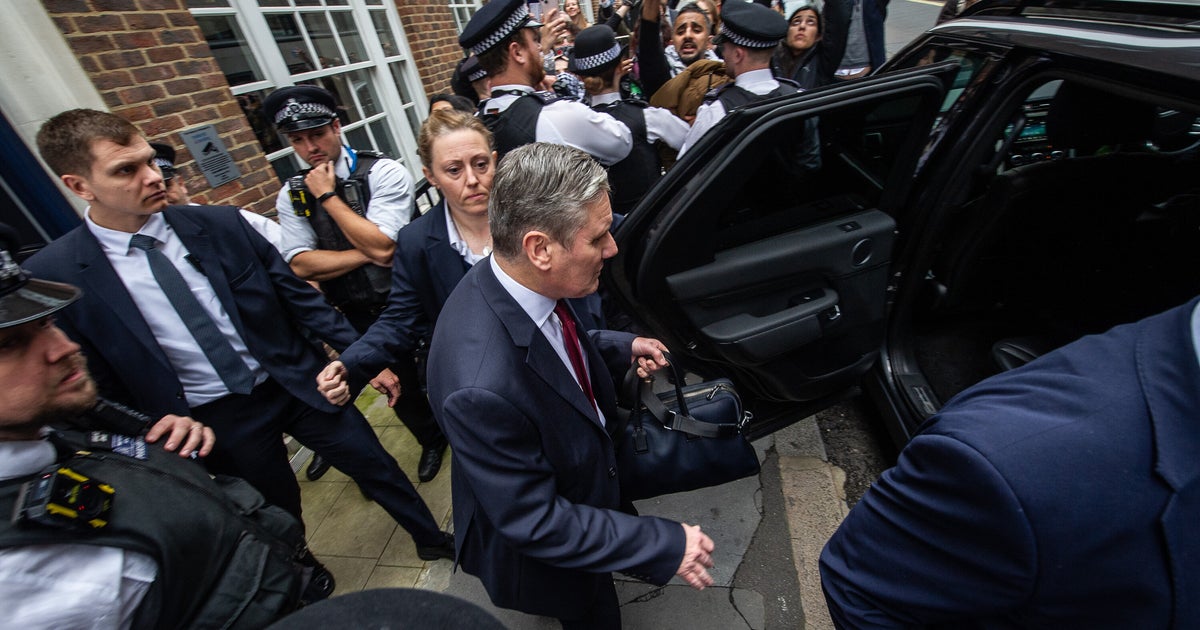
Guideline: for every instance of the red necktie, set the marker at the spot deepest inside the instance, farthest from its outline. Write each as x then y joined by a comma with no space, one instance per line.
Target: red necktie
574,352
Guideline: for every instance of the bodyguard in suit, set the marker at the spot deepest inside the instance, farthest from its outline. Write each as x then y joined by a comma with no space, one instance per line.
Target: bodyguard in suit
529,406
188,310
1062,494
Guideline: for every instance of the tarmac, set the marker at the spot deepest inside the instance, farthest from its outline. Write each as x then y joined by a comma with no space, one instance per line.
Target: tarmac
768,530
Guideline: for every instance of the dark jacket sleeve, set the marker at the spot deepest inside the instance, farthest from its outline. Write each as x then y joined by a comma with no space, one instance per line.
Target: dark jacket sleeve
832,46
652,60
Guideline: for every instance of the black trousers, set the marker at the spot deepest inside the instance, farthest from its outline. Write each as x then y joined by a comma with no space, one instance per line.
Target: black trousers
412,408
605,613
249,430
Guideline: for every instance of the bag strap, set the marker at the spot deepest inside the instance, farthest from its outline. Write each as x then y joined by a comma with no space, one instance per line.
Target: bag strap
674,420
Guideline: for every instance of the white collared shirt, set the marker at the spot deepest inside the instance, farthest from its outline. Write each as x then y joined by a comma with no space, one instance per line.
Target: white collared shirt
709,114
661,124
199,378
390,207
460,245
540,309
573,124
65,585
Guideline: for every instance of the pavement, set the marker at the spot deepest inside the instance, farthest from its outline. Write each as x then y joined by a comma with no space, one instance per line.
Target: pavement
768,529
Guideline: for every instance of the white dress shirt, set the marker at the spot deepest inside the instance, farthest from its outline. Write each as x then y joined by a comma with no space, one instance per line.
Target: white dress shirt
389,209
460,245
661,124
573,124
757,81
541,310
66,586
200,381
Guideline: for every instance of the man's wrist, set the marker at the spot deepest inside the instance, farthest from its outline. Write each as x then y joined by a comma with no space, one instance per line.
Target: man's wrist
322,198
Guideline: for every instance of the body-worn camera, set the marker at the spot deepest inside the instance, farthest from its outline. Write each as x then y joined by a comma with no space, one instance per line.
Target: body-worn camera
303,202
64,498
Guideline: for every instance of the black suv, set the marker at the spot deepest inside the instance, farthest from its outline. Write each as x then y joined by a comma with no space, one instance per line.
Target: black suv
1012,180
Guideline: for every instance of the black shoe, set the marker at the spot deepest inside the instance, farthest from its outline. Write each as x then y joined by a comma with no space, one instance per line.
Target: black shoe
320,583
316,468
431,462
437,552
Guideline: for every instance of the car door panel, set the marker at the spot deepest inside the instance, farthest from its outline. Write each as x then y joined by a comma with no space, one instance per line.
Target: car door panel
764,255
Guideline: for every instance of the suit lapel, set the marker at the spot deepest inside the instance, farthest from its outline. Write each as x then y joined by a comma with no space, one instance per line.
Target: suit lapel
97,277
541,358
199,245
446,266
1170,379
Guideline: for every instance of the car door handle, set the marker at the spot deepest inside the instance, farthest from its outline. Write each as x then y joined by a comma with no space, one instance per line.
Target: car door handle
758,338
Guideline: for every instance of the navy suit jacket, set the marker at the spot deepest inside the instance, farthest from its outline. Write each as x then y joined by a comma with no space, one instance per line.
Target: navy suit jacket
1064,494
535,486
262,296
425,269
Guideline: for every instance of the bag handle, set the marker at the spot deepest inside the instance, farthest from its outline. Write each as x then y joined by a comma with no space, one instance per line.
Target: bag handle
680,420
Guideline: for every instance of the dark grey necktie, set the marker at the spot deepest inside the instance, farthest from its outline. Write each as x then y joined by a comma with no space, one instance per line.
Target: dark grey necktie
220,353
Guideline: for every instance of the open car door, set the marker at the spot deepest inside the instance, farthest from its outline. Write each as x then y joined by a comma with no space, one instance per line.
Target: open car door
764,254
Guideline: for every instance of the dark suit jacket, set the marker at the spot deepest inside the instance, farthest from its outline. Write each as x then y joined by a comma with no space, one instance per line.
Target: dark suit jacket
535,481
260,293
1064,494
425,269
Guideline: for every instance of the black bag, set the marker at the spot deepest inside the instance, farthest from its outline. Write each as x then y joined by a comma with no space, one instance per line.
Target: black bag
683,440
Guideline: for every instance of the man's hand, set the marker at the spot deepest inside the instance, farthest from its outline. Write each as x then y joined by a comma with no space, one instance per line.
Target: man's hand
389,384
333,383
649,355
697,558
321,179
183,435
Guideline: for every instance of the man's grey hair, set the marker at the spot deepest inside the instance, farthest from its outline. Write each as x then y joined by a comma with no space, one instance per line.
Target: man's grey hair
543,187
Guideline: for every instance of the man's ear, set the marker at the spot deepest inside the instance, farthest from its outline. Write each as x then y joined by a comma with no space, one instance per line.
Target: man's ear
537,249
78,185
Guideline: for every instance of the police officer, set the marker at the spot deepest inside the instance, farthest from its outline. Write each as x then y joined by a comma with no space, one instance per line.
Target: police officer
601,62
508,43
749,34
339,221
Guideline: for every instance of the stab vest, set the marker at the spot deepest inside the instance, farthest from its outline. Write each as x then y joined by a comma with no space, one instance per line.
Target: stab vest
517,125
225,559
732,96
367,286
633,176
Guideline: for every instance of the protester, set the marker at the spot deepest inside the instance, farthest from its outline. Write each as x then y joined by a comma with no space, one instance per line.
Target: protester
451,101
1061,494
529,406
815,43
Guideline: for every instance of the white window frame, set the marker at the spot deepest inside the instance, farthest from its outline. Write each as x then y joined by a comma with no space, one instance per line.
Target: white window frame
251,18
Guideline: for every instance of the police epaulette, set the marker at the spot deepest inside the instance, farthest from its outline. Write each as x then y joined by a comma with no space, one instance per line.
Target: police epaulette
547,97
715,93
375,154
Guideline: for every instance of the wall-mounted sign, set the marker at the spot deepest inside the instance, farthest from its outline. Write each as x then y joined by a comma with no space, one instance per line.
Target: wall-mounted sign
210,154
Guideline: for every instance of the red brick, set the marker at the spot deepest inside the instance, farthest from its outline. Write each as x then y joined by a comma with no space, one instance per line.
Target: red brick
134,40
180,18
99,23
160,5
199,116
122,6
65,25
209,97
162,125
112,100
193,67
150,74
171,105
112,80
162,54
66,6
137,113
184,86
141,94
145,21
88,44
122,60
179,35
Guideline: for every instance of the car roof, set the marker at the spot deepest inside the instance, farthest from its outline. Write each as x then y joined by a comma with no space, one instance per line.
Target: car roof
1167,44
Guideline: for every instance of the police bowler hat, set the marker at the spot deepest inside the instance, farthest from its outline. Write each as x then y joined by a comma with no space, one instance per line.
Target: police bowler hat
300,107
493,22
596,51
23,299
750,25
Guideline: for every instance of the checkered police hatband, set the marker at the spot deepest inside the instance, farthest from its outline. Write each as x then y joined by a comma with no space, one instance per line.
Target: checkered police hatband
161,163
745,42
295,110
597,60
514,21
477,75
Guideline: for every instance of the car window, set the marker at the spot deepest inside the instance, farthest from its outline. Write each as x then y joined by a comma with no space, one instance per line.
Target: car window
802,170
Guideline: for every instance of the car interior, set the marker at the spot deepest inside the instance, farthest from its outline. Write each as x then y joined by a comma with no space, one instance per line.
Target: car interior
1084,213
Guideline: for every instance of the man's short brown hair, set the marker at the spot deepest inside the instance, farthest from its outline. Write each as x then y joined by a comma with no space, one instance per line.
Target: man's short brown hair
65,141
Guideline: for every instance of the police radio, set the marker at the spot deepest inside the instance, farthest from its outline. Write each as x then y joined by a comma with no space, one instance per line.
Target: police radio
302,201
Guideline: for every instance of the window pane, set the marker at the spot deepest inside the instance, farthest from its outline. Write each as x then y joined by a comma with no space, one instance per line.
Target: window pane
375,2
229,48
351,40
285,167
335,3
368,95
290,42
272,3
207,4
384,30
383,138
322,38
264,130
342,86
397,70
308,3
359,139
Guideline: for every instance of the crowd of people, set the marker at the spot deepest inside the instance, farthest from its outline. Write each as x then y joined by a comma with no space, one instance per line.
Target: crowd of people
481,320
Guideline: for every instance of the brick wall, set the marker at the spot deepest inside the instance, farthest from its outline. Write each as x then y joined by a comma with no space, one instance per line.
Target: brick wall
433,40
150,63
